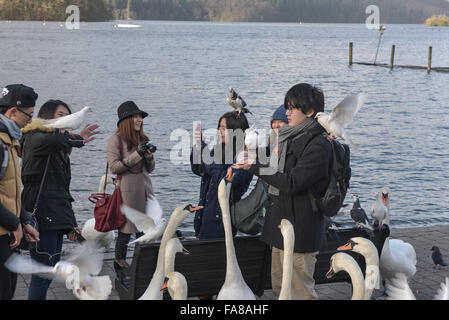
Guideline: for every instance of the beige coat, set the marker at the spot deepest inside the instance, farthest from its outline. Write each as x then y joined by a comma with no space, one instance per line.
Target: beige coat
135,184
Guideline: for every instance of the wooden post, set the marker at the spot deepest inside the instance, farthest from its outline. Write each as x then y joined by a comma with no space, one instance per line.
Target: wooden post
429,61
350,53
393,47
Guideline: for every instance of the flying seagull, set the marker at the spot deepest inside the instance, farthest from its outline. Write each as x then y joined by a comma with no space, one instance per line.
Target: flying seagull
70,122
80,271
151,223
341,116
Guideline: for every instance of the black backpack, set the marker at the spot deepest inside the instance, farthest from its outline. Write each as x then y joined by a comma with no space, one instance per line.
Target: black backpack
339,176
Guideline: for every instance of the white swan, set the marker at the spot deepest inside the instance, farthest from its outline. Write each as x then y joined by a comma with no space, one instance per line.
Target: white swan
287,265
174,246
176,285
344,262
153,291
369,251
398,289
234,287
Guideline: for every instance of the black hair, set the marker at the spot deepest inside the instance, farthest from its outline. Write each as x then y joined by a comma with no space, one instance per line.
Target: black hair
48,109
305,97
234,121
3,109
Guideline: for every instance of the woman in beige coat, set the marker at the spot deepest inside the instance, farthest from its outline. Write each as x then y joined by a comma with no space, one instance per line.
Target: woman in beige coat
133,166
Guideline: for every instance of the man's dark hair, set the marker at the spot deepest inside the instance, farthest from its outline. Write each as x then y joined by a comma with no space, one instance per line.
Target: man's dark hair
3,109
305,97
48,109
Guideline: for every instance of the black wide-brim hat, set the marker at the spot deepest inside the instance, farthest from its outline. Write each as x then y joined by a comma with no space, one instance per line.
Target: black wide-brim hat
18,95
128,109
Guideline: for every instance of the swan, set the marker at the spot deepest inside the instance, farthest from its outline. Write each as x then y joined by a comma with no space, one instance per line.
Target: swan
287,265
398,289
234,287
179,214
344,262
369,251
174,246
88,232
176,285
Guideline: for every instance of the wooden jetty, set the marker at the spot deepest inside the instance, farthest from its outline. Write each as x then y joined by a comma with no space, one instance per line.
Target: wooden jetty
391,65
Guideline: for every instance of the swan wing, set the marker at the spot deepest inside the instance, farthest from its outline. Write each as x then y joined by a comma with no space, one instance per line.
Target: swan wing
443,292
397,288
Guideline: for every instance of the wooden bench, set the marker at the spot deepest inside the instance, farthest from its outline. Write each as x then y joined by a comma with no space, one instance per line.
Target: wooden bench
205,267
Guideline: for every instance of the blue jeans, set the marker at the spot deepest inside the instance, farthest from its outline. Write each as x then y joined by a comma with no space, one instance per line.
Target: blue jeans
49,253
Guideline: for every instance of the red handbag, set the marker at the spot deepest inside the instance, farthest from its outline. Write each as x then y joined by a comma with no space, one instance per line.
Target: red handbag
107,213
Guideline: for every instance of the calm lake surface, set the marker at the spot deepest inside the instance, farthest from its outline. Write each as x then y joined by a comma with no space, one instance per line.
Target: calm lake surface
180,72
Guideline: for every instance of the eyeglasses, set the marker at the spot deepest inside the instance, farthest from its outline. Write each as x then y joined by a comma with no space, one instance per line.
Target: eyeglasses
30,116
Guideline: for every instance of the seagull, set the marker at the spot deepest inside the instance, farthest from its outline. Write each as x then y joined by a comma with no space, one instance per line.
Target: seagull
358,214
437,257
379,210
341,116
237,102
151,223
70,122
80,271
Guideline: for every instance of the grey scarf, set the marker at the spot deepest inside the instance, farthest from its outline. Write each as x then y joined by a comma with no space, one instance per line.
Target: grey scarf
286,134
13,129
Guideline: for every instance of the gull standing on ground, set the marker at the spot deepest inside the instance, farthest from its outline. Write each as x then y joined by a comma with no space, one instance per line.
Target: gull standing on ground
358,214
437,257
341,116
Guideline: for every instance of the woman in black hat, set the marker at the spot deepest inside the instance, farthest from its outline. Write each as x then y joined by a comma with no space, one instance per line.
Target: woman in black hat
129,157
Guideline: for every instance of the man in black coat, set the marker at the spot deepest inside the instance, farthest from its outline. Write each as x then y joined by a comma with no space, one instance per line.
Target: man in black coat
301,167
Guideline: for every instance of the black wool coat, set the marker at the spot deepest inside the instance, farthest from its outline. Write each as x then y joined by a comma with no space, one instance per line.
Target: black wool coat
307,167
55,203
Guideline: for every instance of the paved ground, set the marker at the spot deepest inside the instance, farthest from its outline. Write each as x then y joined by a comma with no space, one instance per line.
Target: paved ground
424,284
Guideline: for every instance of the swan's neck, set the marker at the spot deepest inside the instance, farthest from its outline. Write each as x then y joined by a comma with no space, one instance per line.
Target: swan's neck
170,261
386,220
358,285
153,291
232,268
371,256
287,268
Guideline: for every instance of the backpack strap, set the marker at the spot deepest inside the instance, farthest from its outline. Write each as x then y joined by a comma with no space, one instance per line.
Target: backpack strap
4,158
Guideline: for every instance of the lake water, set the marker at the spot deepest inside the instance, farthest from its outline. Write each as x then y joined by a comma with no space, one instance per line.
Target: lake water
179,72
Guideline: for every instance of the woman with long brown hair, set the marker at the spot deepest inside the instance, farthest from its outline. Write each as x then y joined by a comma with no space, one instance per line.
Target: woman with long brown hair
129,157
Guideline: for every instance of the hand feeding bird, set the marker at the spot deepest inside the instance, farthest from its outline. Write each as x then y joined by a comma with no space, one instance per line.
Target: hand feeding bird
79,271
437,257
237,102
341,116
70,122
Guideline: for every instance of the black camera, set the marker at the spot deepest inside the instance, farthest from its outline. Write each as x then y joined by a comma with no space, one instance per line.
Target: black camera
151,147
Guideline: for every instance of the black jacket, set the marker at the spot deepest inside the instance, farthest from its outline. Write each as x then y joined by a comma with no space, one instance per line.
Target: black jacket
305,168
54,210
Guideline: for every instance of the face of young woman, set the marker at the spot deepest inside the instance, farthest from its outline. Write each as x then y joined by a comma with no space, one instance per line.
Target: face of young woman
223,131
138,120
277,124
61,111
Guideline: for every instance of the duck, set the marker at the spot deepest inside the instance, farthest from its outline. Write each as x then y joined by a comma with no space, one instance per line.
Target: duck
341,261
153,291
234,287
176,285
369,251
287,266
